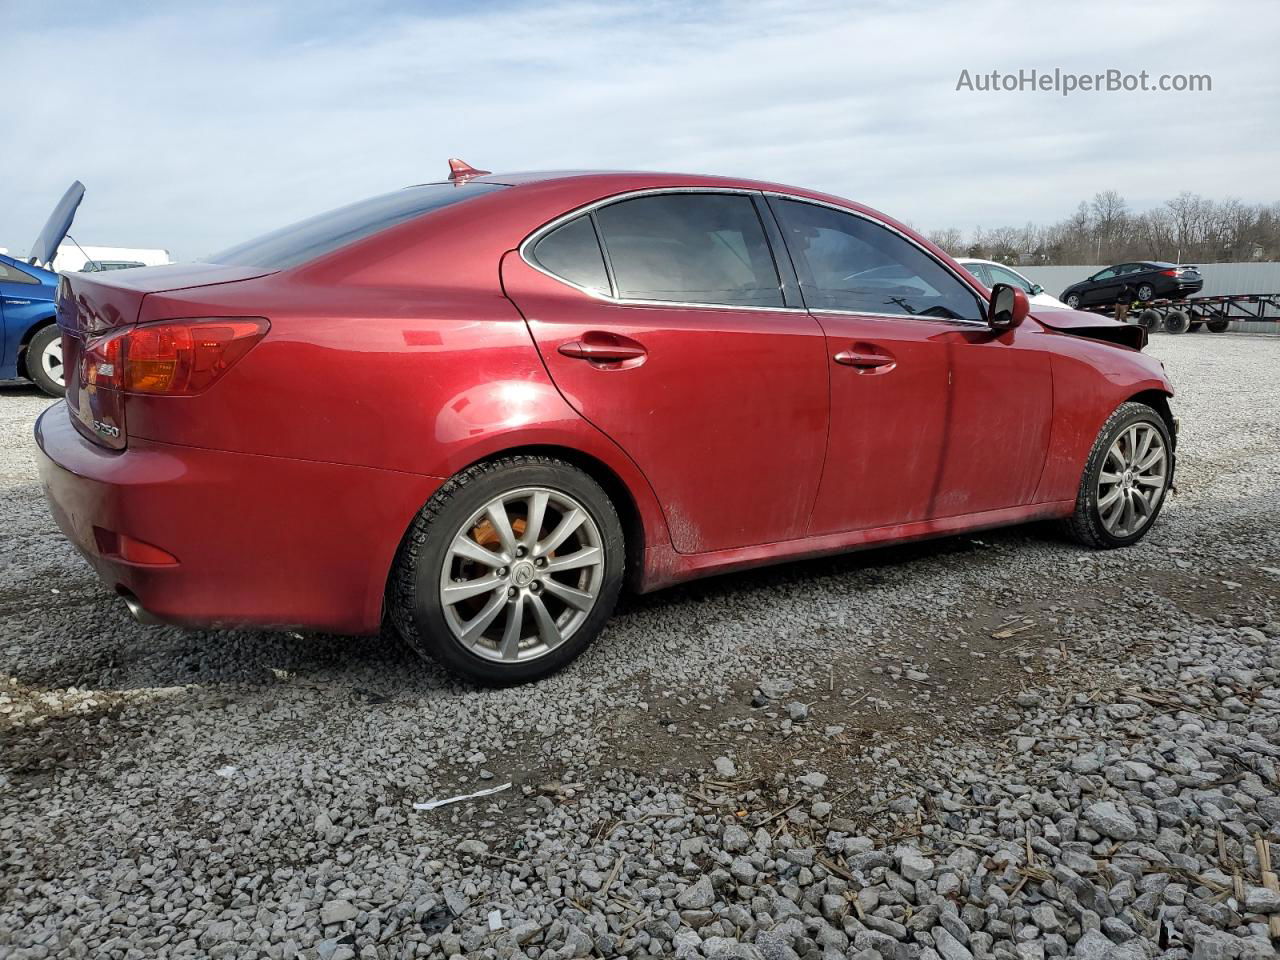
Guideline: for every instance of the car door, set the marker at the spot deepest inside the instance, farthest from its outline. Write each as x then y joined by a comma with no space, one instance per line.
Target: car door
665,321
1104,287
933,413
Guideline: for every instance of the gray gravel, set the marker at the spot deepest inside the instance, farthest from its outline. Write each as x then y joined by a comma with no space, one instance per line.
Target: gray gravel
993,746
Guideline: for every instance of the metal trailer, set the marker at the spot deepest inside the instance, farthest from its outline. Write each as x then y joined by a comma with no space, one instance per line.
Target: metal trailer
1215,313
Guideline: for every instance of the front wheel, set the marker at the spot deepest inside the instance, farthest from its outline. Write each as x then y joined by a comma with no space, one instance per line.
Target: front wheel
510,570
1125,479
43,360
1073,301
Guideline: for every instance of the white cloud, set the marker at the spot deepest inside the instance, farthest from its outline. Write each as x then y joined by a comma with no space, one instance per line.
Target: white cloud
198,127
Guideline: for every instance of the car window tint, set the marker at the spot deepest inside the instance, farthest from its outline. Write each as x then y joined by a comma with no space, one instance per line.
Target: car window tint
690,248
1104,275
10,274
1004,275
572,252
976,269
312,238
847,262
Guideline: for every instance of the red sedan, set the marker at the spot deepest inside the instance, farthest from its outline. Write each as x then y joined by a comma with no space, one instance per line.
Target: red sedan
477,407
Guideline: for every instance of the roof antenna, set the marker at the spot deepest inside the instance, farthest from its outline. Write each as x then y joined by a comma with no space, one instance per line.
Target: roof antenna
460,171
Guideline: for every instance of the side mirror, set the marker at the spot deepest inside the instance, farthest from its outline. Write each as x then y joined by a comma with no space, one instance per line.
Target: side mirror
1036,289
1008,307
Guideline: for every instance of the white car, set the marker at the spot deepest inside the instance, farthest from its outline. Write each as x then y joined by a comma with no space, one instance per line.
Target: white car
989,273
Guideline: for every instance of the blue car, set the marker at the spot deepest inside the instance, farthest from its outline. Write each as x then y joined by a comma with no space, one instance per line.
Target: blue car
30,341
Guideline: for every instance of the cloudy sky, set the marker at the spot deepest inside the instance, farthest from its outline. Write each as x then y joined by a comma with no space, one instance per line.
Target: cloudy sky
196,125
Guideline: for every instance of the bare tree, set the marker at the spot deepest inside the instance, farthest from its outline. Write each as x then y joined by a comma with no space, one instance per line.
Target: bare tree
1189,228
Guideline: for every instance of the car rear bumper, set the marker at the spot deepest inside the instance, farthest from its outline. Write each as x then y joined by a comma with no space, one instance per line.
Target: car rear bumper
212,538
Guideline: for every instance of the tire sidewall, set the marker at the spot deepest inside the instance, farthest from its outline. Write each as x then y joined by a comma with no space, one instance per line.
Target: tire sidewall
32,361
1097,459
433,633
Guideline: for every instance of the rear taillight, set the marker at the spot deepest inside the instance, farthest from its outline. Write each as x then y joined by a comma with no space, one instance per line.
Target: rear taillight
1169,273
171,357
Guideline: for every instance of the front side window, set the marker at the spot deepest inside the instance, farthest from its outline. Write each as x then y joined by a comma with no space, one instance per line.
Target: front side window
1106,274
847,262
975,270
690,248
572,252
1004,275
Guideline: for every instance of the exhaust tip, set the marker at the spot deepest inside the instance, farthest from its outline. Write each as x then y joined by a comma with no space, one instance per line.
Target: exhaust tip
139,613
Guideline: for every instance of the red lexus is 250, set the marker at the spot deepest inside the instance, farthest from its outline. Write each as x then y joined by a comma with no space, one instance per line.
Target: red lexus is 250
479,407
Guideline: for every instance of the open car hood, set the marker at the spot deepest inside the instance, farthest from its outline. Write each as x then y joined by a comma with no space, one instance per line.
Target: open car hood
56,227
1094,326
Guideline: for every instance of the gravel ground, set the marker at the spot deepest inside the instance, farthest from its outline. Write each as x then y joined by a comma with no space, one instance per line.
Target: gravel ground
1002,746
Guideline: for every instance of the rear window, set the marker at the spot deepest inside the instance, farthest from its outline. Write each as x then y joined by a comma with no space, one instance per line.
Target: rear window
316,236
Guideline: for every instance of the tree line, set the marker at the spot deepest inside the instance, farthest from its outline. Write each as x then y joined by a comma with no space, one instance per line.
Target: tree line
1187,229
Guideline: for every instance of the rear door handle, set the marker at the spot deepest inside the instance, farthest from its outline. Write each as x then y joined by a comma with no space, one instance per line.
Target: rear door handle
600,347
863,360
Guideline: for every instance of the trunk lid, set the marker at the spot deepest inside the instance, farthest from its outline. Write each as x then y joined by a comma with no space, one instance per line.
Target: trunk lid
94,309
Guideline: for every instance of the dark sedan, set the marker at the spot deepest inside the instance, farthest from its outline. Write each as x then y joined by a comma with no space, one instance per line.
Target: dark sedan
1147,280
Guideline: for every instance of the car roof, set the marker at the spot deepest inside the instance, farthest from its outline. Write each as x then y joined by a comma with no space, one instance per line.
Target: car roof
610,182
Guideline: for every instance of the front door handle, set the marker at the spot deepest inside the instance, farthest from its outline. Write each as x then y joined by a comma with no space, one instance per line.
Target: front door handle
863,360
600,347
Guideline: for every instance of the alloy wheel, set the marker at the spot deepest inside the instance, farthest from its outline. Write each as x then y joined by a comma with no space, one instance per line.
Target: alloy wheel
522,574
51,361
1133,478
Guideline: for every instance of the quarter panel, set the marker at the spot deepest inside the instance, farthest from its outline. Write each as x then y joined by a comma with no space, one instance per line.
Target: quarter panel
417,380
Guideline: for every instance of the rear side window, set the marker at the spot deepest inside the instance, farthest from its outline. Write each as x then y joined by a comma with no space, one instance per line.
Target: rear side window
976,269
312,238
1001,275
10,274
849,263
690,248
572,252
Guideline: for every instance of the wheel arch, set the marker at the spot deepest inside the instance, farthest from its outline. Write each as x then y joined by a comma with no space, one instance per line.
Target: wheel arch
1158,400
636,536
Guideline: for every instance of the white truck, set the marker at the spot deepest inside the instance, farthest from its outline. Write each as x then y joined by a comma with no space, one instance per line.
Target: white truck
76,257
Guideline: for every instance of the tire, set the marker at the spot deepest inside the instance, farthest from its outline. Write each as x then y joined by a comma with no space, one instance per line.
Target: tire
456,516
1145,292
43,360
1087,524
1072,301
1177,321
1218,326
1196,325
1149,318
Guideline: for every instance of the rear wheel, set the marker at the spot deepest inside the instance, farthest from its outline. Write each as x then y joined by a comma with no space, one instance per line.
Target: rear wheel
1218,326
510,570
1145,291
43,360
1125,479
